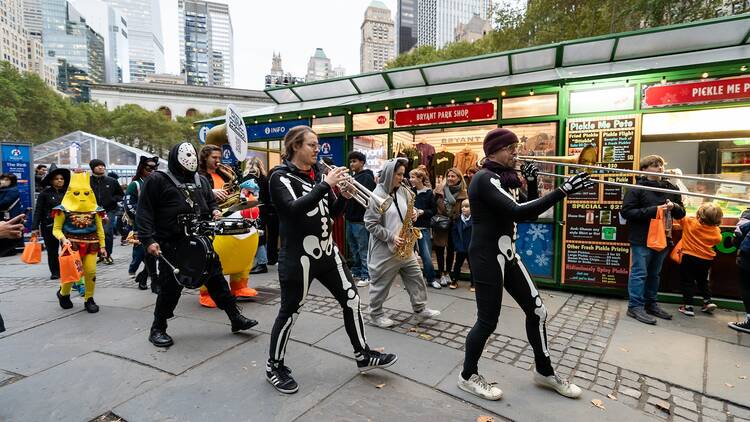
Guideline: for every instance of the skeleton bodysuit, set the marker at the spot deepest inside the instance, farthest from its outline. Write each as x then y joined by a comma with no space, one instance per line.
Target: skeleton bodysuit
495,211
306,210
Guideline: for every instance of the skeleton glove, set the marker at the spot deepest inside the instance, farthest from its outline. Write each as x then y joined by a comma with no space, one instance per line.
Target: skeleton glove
576,183
529,171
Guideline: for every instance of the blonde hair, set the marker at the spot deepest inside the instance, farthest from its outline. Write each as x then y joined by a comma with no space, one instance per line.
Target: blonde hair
651,160
710,214
421,174
465,203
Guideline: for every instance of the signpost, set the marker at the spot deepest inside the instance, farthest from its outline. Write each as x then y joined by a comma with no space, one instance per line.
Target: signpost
16,159
236,133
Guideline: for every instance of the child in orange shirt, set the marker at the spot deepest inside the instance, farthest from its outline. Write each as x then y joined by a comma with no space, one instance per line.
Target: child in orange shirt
699,236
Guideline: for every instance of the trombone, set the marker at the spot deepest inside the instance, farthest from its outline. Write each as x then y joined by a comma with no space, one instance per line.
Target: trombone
360,193
587,160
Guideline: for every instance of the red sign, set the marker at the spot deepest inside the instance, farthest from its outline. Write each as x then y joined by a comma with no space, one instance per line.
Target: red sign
382,120
446,114
697,92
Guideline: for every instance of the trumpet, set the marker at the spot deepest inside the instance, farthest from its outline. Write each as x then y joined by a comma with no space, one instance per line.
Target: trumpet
360,193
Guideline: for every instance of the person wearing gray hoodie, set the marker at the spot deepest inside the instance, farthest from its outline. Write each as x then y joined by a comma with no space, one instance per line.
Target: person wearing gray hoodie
383,264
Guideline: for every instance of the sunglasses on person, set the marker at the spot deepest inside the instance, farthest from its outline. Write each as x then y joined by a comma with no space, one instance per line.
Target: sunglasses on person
150,168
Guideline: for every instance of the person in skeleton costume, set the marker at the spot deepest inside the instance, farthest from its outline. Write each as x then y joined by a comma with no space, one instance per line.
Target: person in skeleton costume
307,205
383,264
160,202
496,206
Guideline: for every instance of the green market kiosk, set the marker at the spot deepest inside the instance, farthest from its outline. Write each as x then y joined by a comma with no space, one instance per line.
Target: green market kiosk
682,92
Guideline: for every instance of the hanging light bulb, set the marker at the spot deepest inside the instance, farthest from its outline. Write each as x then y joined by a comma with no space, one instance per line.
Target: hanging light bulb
386,108
663,80
503,93
453,101
329,114
743,68
531,92
429,102
477,99
704,75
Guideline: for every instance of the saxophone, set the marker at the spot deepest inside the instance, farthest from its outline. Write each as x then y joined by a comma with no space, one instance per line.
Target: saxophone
408,232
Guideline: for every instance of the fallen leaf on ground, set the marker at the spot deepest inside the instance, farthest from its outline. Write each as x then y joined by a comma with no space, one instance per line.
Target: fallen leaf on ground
412,330
729,385
622,349
598,403
485,418
742,377
425,336
380,385
612,396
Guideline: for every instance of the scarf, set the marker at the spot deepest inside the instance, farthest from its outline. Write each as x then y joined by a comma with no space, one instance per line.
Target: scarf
508,176
450,192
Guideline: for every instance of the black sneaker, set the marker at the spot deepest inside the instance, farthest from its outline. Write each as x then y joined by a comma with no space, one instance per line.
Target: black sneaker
641,315
280,377
686,310
658,312
371,359
741,326
65,301
160,338
91,306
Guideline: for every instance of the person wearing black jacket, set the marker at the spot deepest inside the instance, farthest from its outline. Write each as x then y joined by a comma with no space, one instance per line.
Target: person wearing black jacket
54,185
108,193
307,205
638,208
357,235
159,204
146,166
497,205
424,206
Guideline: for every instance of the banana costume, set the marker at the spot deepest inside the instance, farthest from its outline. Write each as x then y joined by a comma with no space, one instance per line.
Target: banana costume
79,219
237,254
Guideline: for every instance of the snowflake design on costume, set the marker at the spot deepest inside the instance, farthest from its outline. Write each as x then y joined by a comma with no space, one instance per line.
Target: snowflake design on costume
542,260
537,231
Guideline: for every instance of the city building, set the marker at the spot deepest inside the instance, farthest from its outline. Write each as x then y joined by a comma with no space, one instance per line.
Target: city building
32,17
338,72
406,25
166,78
109,22
71,44
177,100
37,64
437,19
472,30
206,46
13,48
378,38
145,45
319,67
278,77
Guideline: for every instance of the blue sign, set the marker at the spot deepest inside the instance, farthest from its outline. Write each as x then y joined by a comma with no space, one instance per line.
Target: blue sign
16,159
535,245
227,156
332,148
202,132
275,130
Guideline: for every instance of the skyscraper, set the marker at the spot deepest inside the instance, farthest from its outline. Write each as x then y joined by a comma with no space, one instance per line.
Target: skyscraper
12,36
32,17
109,22
74,46
145,47
318,67
206,45
378,38
406,25
437,19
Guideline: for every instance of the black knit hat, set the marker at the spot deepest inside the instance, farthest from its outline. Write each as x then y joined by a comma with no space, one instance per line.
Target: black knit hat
498,138
96,162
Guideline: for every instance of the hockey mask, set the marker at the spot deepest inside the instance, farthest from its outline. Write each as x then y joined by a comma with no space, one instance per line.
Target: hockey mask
79,197
187,157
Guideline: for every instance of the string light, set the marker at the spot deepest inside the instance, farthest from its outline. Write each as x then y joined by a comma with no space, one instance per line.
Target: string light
270,120
408,105
349,112
476,99
386,108
663,80
503,93
299,116
256,122
368,109
313,116
704,75
453,101
329,114
743,68
429,102
531,92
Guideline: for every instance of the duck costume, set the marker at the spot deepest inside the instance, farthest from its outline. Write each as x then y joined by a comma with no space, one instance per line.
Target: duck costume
237,254
78,220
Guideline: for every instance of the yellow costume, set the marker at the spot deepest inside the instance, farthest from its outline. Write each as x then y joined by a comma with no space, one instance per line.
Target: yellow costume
79,219
236,253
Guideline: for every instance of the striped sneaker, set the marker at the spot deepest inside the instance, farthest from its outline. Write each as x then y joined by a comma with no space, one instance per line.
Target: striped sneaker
371,360
280,377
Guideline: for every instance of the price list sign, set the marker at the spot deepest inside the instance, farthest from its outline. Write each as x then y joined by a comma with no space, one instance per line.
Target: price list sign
596,251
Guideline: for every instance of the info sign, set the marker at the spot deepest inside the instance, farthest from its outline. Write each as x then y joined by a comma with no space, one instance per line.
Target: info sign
236,133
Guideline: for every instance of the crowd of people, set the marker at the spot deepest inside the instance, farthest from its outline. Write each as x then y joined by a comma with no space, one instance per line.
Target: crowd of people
468,218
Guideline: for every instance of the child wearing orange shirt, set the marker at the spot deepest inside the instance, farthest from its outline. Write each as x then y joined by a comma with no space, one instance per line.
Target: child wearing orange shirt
699,236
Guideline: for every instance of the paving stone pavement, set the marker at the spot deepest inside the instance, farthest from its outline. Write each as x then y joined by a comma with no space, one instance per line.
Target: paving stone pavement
580,331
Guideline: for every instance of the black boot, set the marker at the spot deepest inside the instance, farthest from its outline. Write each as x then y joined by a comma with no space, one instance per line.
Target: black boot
91,306
239,322
65,301
142,279
259,269
155,289
160,338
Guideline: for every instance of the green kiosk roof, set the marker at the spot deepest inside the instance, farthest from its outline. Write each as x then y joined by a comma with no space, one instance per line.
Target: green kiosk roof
704,42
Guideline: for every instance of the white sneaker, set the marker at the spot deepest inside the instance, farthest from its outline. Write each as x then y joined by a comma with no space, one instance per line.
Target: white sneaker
479,386
444,280
562,386
383,322
426,313
363,282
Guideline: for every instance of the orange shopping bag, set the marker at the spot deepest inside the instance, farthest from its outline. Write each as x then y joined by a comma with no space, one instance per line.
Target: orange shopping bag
32,252
71,267
657,233
676,254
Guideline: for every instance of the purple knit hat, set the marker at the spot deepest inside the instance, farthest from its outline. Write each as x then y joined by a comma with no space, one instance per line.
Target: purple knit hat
498,138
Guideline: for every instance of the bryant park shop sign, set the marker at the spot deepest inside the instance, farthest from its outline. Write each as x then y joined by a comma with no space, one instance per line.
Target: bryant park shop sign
445,114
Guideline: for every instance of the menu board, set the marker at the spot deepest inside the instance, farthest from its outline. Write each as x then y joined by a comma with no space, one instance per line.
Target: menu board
595,244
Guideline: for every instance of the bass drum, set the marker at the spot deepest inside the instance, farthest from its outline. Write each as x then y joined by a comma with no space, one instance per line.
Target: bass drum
194,257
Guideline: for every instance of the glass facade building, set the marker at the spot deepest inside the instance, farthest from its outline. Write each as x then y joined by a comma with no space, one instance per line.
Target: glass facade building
206,46
406,25
145,46
437,19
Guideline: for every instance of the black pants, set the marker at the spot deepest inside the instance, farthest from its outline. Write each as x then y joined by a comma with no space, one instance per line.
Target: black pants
460,258
170,291
489,301
2,324
294,285
745,287
53,250
694,270
272,238
444,256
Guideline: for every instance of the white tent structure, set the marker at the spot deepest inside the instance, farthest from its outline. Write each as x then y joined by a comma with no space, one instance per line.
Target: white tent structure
77,148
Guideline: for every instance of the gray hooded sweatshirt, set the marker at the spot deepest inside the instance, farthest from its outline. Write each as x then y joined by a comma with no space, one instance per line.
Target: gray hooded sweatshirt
385,227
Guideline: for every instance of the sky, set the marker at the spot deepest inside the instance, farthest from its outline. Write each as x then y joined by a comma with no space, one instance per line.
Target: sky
294,28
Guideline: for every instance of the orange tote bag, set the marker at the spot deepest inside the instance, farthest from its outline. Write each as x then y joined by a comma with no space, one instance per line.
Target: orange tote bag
71,266
657,233
32,252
